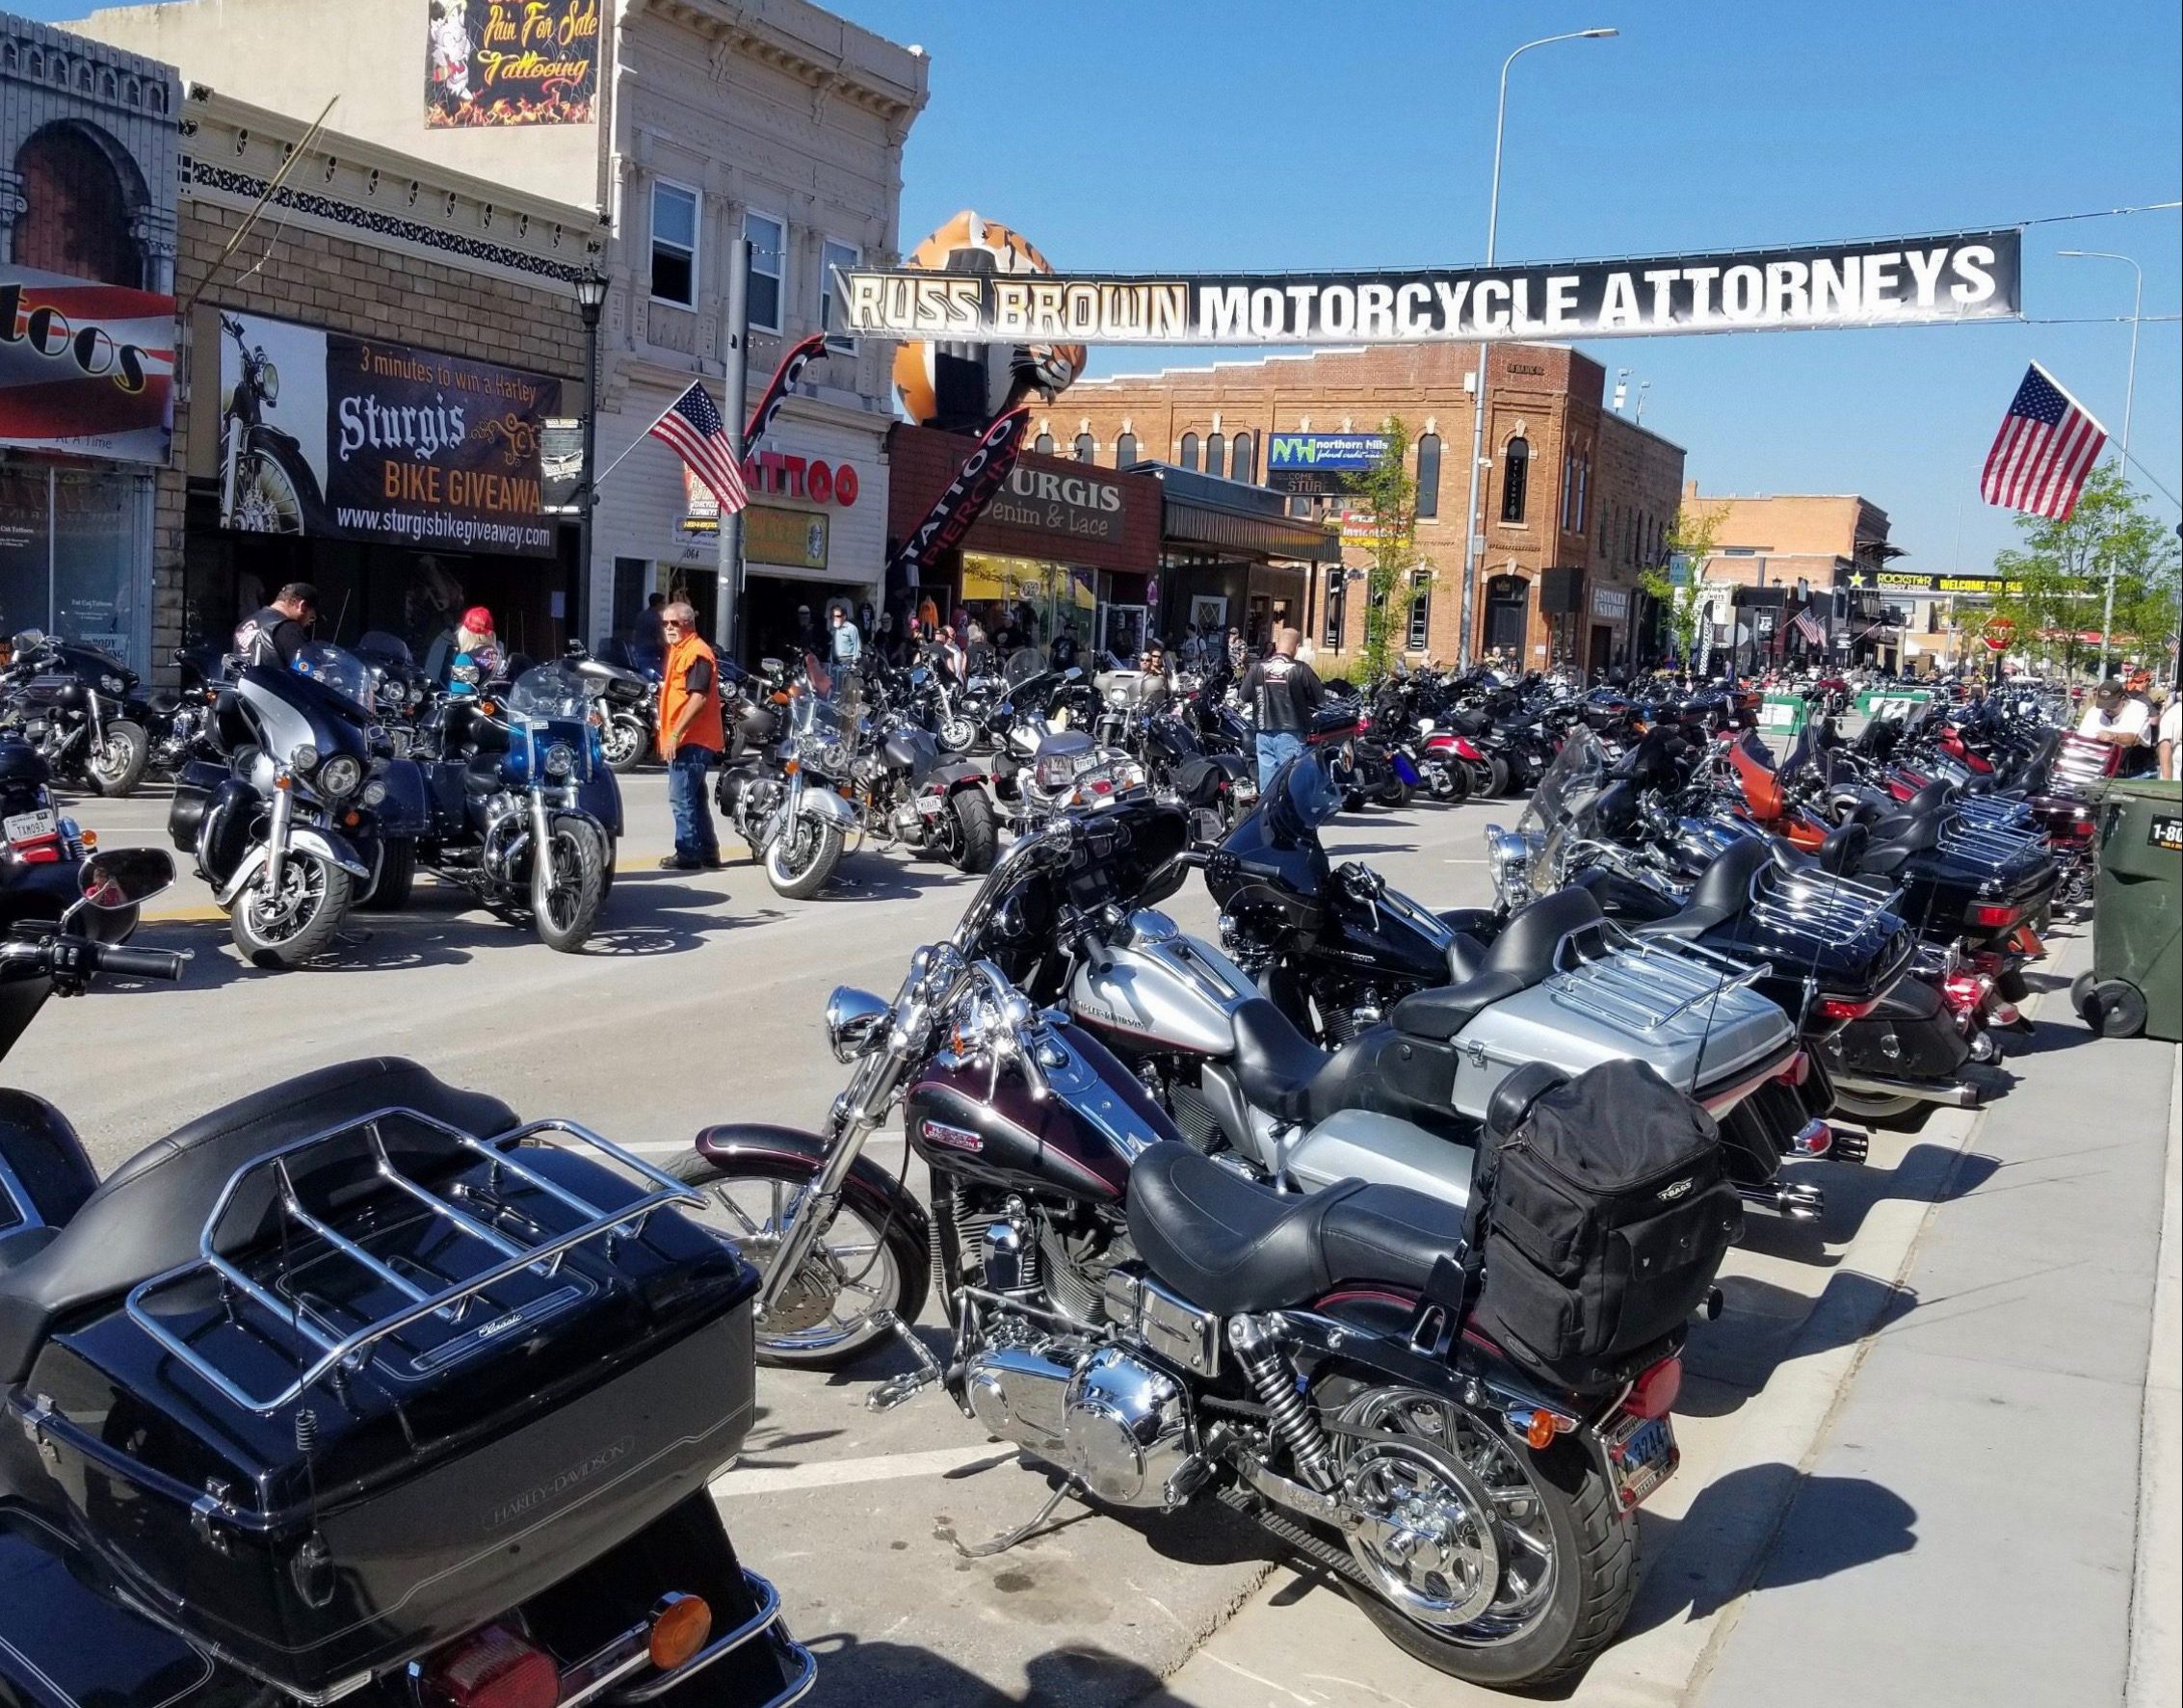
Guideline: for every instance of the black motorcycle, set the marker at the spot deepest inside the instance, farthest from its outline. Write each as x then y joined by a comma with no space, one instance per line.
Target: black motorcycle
1163,1331
266,483
304,820
625,703
471,1469
72,703
178,721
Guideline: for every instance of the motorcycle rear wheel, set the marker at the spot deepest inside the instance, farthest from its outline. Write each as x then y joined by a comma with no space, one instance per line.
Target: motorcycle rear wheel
976,841
117,766
568,883
624,741
316,899
802,858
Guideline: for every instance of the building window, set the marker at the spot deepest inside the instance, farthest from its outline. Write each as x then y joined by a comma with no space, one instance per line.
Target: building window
1243,459
1087,447
1515,480
1216,454
1429,477
768,273
1043,444
1420,609
1188,456
674,244
1125,450
844,257
1337,583
75,217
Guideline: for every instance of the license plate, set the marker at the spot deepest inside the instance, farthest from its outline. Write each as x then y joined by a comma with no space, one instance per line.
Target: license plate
1644,1456
29,827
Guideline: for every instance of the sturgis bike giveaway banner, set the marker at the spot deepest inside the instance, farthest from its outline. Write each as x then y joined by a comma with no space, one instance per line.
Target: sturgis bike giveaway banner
511,62
1959,276
338,438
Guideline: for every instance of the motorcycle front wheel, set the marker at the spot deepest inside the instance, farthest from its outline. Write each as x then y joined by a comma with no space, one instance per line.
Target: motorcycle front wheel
278,932
958,735
625,740
866,1262
802,858
568,883
117,765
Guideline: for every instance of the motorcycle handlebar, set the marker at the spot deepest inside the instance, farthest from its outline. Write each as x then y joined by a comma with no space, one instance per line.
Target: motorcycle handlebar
139,963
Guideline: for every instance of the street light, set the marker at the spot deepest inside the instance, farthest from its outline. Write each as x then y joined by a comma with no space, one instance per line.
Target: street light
590,298
1478,384
2129,397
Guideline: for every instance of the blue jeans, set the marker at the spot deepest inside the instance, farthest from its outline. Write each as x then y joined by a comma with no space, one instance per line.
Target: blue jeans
1275,749
695,844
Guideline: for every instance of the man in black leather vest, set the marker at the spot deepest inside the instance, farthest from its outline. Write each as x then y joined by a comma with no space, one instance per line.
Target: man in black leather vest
1282,694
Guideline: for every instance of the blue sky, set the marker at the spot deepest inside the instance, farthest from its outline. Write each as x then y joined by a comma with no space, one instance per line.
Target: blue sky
1352,133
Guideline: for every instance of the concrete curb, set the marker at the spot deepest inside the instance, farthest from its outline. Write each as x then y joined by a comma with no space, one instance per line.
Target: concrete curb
2156,1629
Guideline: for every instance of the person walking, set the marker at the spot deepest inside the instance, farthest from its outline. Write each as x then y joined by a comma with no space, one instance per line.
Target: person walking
1282,695
690,738
2168,734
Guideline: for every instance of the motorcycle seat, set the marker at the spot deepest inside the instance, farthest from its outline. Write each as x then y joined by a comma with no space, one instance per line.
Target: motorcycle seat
165,700
1229,1244
1721,894
1522,955
146,1217
481,773
1275,1062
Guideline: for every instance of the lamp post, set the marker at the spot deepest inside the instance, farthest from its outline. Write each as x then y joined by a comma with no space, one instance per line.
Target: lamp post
2129,397
590,298
1478,383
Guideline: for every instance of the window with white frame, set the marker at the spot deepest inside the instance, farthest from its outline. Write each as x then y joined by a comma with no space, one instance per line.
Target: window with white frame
766,274
841,256
674,244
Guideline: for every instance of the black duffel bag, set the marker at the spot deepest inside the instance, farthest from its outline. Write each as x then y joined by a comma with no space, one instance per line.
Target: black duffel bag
1605,1214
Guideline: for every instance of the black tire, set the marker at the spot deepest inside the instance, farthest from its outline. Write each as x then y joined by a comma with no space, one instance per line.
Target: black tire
1393,793
568,882
909,1262
1500,777
118,766
802,860
956,734
2114,1007
625,742
397,878
976,831
327,908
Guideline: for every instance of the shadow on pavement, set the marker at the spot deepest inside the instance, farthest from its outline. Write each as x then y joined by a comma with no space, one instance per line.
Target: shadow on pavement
904,1675
1927,1174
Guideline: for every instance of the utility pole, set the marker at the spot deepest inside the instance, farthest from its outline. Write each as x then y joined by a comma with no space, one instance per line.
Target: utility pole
727,605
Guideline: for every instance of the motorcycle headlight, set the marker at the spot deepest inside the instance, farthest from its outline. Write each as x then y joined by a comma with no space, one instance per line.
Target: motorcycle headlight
113,685
340,777
374,792
304,759
269,383
560,760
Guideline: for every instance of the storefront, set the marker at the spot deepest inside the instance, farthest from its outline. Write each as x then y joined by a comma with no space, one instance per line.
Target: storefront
1610,628
1064,548
1232,557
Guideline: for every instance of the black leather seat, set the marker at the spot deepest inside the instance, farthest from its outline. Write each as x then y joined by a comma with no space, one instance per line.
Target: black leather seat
1721,894
1274,1061
146,1216
1229,1244
1522,956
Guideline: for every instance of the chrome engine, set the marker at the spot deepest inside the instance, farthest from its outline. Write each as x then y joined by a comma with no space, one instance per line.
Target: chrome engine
1119,1426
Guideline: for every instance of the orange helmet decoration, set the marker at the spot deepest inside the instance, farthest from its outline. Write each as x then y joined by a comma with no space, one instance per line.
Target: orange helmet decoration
966,386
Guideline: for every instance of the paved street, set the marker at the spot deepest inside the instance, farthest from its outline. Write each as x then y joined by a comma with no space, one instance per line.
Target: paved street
698,1002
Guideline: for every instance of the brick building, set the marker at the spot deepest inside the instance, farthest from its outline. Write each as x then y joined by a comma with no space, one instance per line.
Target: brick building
1570,486
1776,554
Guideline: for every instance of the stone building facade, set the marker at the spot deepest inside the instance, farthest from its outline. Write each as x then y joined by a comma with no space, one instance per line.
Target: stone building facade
1569,486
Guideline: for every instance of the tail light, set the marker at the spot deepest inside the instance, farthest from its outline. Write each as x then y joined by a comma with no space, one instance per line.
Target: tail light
1798,1072
491,1668
1843,1007
1991,916
1464,750
1967,992
1815,1138
39,851
1653,1394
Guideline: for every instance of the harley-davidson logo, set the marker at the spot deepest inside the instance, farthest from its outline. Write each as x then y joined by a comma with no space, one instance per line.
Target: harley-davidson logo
544,1494
952,1138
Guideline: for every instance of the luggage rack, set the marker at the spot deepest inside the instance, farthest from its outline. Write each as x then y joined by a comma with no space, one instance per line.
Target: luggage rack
1835,909
1642,983
1959,835
336,1355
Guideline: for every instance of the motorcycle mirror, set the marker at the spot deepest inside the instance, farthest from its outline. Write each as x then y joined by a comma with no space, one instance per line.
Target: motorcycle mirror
121,878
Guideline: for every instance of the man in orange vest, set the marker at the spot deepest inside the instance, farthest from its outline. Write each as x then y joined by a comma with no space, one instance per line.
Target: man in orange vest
691,739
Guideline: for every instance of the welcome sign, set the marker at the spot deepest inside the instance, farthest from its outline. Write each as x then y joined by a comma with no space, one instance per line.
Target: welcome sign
1957,276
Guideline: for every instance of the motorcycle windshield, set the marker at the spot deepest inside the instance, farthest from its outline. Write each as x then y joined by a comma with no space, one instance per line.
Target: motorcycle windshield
1560,811
383,648
549,690
1303,796
337,669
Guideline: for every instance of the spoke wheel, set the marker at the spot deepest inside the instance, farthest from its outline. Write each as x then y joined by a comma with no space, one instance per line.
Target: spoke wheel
266,501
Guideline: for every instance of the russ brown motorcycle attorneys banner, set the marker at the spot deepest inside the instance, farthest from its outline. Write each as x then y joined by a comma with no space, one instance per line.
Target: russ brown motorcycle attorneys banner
1955,277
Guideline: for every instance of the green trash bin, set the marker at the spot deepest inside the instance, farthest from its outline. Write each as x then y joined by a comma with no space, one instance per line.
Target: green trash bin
2136,983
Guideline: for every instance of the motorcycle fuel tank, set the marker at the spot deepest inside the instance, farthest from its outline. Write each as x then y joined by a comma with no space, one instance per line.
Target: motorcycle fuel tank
1159,989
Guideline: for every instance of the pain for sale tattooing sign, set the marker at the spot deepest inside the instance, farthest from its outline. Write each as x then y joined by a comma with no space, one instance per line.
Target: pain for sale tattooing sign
1965,276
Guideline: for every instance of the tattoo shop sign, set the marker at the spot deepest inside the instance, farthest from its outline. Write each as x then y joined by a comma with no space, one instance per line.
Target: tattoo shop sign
1963,275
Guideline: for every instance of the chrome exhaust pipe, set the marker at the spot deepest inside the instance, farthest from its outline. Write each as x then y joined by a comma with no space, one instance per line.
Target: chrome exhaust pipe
1792,1202
1951,1093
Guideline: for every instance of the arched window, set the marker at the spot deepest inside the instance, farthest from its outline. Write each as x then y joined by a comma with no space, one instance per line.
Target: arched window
83,77
1043,444
1515,479
76,217
1428,476
159,97
1125,450
106,85
1087,447
1243,459
132,92
1188,456
1216,454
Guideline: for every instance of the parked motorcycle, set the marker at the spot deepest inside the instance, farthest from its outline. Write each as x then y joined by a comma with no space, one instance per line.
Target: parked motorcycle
627,704
1163,1331
73,703
41,848
782,786
473,1470
178,722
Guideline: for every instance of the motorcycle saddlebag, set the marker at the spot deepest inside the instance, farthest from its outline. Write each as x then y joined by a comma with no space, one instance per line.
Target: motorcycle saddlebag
1606,1213
193,793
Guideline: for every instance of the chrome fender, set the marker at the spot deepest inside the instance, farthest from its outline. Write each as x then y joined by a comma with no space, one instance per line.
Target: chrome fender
825,803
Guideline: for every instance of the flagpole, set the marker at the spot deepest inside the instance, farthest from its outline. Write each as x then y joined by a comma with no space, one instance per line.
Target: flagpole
727,605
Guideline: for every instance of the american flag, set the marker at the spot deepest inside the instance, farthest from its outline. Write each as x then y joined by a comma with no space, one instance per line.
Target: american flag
2047,448
1808,626
695,431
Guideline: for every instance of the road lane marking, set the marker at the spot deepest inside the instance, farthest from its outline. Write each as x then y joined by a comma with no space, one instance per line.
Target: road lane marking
838,1473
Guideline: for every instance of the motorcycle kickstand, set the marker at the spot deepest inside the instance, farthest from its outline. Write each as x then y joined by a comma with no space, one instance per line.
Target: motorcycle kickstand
901,1389
1008,1538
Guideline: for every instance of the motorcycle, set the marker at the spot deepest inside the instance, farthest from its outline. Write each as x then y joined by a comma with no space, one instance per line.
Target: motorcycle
178,722
782,786
1165,1331
473,1471
73,703
266,483
908,788
305,819
524,813
627,707
42,848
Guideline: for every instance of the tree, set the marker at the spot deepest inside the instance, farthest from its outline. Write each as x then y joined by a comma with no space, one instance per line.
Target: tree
2060,576
1386,496
1692,538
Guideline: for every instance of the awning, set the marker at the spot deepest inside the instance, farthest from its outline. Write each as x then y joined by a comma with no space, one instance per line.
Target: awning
1260,536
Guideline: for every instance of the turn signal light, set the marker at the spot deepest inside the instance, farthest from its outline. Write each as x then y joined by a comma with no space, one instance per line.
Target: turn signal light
681,1625
1841,1008
1653,1394
89,838
491,1668
1992,915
